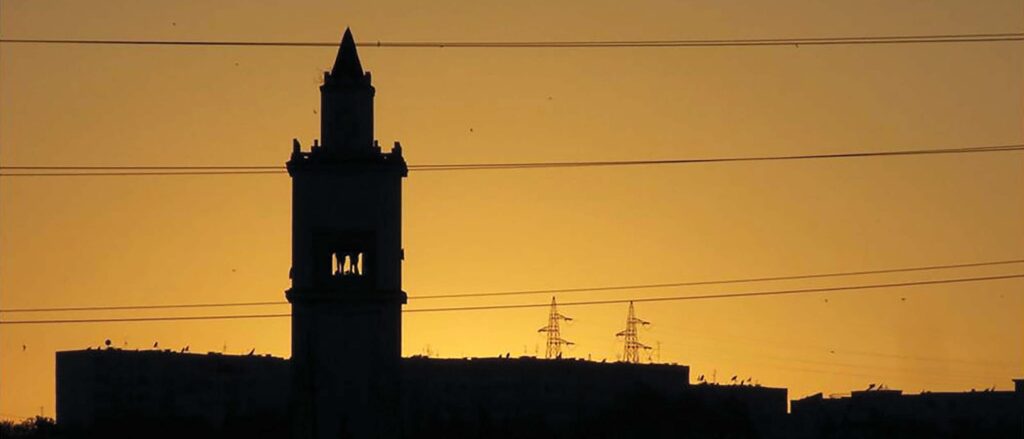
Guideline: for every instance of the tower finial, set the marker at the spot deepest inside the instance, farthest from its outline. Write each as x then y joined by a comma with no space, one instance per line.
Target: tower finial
347,63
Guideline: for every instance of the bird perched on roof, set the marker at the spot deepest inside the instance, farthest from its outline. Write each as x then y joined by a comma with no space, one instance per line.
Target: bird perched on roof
156,344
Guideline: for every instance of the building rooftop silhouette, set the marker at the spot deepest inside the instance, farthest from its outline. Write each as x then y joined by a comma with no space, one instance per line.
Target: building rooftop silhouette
217,395
891,413
100,390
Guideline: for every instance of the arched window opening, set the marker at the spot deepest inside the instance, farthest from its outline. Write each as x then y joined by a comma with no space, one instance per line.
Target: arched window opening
347,263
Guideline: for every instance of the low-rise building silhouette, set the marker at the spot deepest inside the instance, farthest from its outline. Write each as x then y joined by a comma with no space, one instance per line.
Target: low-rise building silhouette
891,413
122,392
128,393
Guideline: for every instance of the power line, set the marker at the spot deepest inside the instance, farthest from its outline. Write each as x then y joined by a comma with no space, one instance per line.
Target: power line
538,291
129,170
966,374
147,168
745,340
926,359
965,371
730,295
961,150
578,44
143,307
146,319
717,282
119,174
543,305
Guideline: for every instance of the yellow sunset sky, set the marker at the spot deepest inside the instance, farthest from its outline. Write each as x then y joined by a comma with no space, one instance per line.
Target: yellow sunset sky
87,241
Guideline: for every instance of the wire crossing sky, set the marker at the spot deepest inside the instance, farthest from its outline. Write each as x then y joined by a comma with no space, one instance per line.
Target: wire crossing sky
812,41
269,169
541,305
430,296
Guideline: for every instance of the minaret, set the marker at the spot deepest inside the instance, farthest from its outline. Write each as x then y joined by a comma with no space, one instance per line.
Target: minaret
346,292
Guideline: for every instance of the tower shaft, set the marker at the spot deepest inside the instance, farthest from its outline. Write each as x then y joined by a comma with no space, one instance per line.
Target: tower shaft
346,285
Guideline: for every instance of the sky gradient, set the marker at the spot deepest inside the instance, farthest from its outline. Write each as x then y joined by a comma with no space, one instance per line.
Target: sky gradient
195,239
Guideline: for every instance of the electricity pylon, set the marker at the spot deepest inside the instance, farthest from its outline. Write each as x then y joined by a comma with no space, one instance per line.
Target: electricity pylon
631,339
555,340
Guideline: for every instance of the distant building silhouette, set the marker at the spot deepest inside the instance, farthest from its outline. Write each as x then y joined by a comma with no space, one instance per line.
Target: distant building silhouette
155,394
127,393
890,413
115,392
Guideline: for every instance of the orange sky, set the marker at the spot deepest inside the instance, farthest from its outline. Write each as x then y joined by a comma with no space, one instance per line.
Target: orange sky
132,240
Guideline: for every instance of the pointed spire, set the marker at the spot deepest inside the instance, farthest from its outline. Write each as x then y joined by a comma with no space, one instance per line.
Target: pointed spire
347,63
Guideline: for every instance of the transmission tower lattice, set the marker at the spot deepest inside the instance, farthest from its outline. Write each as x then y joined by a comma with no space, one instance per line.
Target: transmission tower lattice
631,338
554,335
